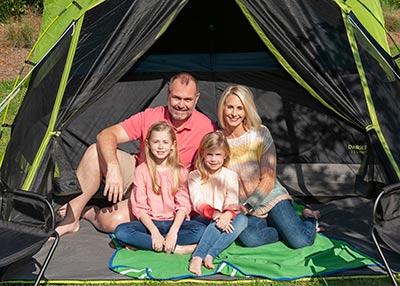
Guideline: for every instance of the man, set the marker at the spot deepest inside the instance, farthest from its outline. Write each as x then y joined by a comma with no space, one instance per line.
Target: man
104,160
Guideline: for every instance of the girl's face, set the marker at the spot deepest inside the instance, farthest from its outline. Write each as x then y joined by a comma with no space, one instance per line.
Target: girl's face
233,112
214,159
160,144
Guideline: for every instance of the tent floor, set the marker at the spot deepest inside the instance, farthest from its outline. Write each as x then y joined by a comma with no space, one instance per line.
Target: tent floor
84,256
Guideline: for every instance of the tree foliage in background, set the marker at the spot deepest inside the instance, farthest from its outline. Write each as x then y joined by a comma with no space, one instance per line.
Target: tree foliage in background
391,4
15,8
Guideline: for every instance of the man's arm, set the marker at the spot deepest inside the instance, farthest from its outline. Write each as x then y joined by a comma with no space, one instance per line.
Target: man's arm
107,143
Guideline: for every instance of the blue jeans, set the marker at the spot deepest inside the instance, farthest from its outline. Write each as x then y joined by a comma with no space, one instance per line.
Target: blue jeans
282,223
134,233
214,241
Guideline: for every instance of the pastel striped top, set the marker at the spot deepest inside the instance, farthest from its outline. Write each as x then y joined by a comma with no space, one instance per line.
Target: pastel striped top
253,158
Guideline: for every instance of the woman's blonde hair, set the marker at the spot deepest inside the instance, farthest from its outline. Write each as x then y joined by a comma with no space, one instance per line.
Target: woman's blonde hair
172,159
210,141
252,119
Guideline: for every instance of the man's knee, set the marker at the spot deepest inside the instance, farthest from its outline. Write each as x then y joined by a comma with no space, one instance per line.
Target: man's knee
91,151
111,217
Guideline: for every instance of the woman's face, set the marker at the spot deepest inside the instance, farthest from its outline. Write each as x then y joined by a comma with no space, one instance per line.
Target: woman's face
233,113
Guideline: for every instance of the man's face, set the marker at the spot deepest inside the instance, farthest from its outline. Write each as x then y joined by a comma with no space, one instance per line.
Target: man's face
182,100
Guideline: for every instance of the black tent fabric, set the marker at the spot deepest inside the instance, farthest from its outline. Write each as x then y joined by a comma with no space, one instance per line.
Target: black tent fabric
323,87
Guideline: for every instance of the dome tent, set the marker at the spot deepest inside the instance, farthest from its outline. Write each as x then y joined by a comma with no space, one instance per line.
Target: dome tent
323,80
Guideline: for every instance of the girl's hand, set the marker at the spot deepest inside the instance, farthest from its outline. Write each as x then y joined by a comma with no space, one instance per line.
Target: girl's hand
157,241
170,241
223,222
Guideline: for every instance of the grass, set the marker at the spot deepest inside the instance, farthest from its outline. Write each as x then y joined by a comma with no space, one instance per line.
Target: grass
331,281
5,89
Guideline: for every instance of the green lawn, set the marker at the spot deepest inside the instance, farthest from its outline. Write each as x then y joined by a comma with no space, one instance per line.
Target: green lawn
5,89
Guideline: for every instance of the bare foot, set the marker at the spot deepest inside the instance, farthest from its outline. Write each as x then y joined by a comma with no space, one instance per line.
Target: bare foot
90,213
61,212
208,262
310,213
130,247
185,249
195,265
67,225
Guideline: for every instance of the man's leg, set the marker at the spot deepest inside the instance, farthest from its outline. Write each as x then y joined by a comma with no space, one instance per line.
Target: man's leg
89,177
108,218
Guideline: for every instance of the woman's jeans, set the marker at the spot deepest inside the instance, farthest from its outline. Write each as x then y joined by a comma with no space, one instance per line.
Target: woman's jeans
282,223
214,241
134,233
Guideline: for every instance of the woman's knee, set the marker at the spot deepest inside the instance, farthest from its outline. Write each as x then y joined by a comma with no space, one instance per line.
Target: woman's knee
240,222
249,238
300,241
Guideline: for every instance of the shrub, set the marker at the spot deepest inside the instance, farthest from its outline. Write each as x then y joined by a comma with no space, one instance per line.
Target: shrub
390,4
20,35
15,8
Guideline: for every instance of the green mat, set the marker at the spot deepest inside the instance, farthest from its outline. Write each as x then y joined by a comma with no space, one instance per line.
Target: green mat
274,261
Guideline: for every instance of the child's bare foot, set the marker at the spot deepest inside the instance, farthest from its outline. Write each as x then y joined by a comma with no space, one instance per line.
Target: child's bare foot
185,249
195,265
208,262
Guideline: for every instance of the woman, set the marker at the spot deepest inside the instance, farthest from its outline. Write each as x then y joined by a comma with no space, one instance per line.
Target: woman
268,205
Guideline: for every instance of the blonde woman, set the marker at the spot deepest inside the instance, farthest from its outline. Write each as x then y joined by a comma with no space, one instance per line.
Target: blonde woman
268,205
160,199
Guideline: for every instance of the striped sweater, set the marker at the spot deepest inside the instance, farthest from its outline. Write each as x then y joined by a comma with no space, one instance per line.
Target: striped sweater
253,158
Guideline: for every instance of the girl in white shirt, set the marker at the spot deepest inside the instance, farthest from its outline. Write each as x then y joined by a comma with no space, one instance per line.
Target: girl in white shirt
214,191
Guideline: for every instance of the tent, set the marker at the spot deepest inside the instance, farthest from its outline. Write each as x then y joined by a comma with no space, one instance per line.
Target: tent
324,81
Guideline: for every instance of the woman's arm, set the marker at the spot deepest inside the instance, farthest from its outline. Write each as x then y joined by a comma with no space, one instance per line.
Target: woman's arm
267,174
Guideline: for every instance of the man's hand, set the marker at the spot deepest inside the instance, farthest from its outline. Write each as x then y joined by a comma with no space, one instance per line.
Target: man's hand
113,188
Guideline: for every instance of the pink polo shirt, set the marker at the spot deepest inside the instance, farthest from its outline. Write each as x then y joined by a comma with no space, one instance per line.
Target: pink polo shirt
188,137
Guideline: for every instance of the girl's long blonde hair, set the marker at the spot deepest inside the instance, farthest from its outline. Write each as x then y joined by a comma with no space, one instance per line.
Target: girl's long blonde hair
172,159
253,119
210,141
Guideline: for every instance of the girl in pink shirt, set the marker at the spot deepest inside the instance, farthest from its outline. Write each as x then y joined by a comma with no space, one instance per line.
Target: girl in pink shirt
160,199
214,191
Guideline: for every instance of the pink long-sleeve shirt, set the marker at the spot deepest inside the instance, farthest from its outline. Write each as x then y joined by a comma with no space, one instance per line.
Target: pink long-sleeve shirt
161,206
